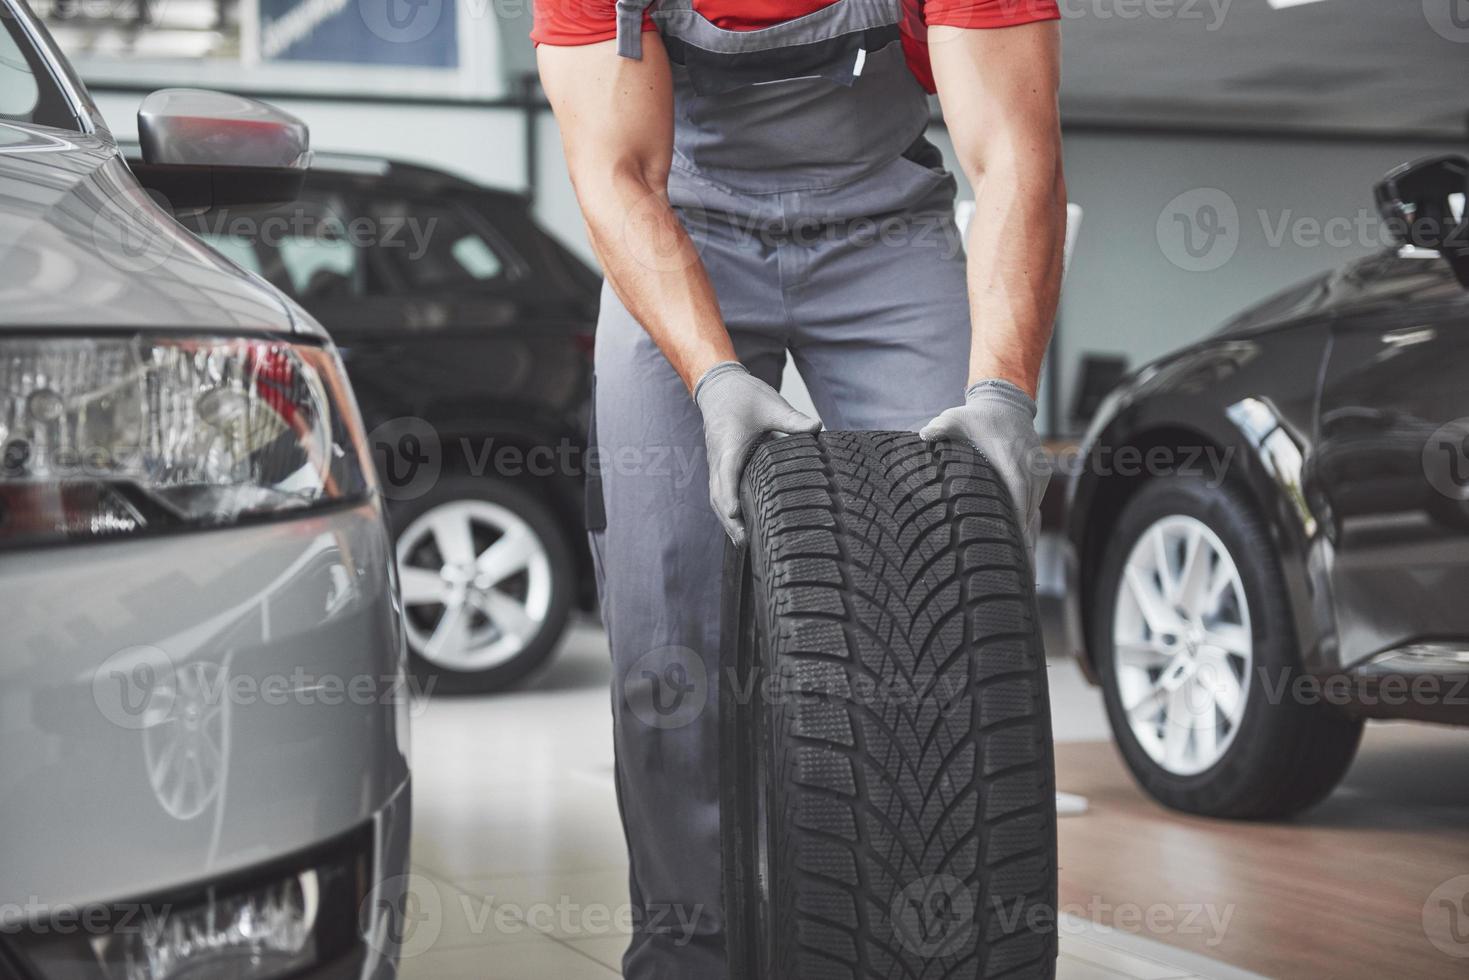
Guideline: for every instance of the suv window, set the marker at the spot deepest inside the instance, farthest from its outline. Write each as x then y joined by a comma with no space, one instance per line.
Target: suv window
431,245
319,265
28,92
309,249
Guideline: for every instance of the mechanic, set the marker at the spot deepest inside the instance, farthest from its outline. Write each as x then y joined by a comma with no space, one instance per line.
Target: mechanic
755,180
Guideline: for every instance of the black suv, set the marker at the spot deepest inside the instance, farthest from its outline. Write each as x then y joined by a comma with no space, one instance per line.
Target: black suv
1269,531
467,333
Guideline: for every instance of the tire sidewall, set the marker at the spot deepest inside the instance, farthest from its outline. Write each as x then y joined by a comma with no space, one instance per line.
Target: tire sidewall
401,514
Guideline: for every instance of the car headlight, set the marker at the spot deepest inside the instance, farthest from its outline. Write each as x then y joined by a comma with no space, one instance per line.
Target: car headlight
115,435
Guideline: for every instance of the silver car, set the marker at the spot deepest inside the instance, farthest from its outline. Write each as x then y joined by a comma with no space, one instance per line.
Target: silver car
202,704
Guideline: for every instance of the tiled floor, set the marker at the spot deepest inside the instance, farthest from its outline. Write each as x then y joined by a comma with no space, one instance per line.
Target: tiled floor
519,857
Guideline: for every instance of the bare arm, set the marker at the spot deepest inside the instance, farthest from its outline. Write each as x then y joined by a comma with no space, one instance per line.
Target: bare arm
616,119
998,91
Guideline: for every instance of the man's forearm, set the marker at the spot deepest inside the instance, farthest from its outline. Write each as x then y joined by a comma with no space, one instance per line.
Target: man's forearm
616,119
1016,243
653,266
998,90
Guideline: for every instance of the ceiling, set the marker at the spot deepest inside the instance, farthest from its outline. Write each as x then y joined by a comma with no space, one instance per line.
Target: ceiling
1335,66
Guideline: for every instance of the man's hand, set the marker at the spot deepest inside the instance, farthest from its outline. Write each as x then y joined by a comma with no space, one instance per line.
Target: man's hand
738,410
999,420
998,91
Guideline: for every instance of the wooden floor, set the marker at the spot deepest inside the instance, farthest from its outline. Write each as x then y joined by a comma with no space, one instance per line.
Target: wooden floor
1340,892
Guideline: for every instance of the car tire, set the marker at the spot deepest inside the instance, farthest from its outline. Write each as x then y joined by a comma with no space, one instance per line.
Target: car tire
890,810
1239,744
449,532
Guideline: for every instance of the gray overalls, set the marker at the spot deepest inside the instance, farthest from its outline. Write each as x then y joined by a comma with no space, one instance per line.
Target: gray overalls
826,224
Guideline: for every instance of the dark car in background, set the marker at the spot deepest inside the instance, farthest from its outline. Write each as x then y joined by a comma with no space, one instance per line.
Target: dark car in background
467,333
1268,533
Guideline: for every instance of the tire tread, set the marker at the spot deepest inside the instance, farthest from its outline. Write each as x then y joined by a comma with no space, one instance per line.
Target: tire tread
884,560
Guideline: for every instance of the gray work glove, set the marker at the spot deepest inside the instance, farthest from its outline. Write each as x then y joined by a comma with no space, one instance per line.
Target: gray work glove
999,419
738,410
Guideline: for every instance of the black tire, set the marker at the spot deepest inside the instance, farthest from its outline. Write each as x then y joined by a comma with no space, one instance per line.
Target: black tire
544,524
890,810
1287,753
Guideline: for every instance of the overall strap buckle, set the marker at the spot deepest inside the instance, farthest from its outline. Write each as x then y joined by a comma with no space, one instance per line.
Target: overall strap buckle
630,27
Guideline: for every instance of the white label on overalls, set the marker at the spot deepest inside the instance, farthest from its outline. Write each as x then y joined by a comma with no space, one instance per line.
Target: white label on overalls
861,60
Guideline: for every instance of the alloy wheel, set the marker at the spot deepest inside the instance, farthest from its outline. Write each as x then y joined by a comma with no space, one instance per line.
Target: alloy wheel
1183,647
476,581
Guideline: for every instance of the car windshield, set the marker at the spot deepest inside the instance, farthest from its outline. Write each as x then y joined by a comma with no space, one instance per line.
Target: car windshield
28,91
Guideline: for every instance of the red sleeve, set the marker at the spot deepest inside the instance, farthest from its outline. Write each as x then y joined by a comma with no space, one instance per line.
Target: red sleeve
571,22
989,13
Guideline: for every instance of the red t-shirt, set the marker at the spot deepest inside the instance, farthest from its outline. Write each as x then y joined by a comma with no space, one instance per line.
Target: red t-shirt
571,22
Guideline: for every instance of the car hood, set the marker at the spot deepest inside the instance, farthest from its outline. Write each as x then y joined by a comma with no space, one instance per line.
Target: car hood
82,245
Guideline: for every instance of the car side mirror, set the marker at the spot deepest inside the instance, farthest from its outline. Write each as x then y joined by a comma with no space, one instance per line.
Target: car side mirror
204,150
1423,204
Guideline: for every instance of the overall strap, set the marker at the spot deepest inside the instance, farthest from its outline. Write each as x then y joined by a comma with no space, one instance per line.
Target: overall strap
630,27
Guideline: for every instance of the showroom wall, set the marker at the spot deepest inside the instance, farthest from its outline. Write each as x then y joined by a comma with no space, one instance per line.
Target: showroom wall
1180,230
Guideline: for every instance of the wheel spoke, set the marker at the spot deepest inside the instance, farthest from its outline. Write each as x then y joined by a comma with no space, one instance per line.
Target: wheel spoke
1206,725
1230,638
509,615
1193,580
1141,653
163,765
422,586
209,754
507,556
1216,671
1155,609
1146,707
1164,565
453,536
1220,582
1178,728
451,635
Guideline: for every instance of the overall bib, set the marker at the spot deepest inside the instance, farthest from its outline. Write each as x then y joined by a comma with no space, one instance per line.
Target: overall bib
825,221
